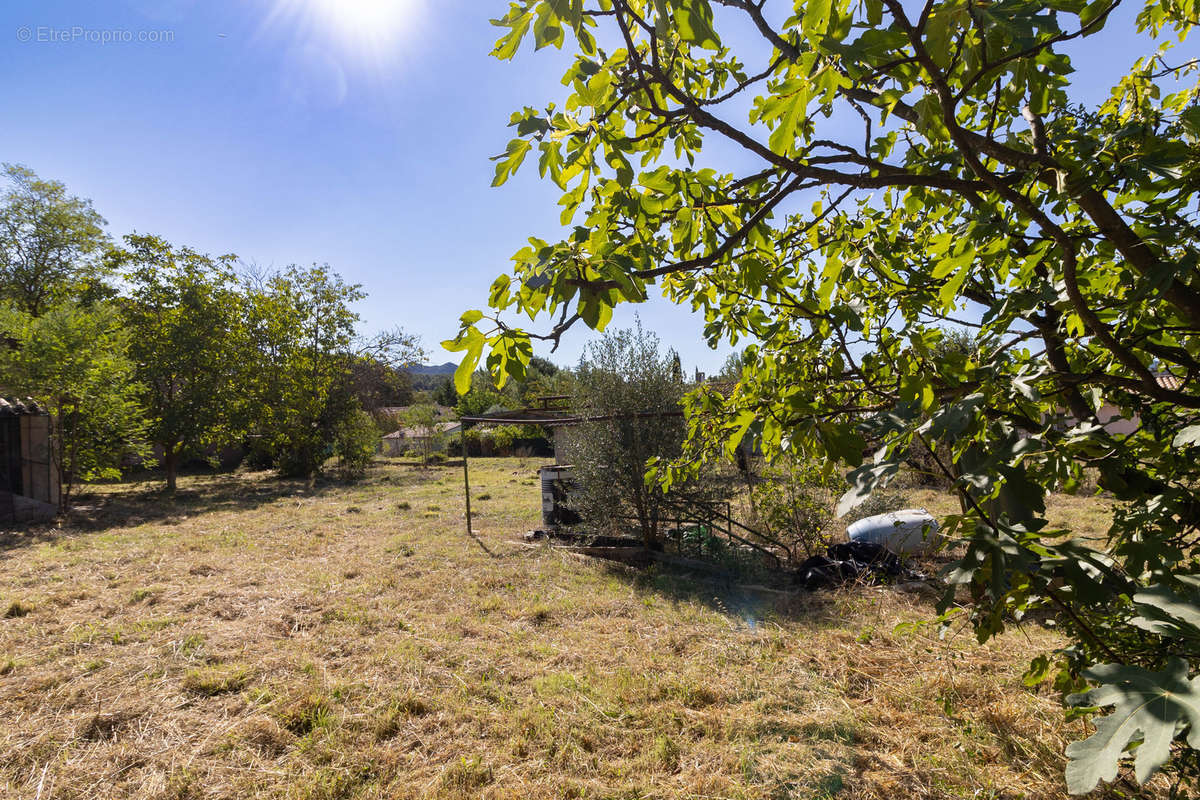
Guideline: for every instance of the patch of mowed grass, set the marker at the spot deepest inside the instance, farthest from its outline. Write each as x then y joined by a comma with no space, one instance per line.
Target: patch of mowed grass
142,595
840,731
182,784
690,693
401,547
351,613
666,753
391,718
467,774
188,648
330,783
447,669
308,713
17,609
216,679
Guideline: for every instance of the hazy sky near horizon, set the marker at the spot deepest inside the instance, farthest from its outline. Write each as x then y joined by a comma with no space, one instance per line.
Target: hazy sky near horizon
287,131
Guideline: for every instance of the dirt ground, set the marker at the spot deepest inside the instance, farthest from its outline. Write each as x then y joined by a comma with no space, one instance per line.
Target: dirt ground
255,638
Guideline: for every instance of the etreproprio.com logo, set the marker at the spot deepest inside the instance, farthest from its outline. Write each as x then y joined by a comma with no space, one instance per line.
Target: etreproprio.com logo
79,34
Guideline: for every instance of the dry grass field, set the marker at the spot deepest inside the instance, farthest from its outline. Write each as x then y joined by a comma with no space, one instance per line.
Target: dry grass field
254,638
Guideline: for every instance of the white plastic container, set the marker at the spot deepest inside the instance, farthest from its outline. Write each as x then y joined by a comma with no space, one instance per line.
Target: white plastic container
904,532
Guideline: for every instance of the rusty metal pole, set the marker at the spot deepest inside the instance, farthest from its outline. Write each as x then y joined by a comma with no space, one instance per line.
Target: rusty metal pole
466,483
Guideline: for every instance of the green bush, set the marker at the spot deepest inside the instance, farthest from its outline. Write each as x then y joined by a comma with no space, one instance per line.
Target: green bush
355,444
794,503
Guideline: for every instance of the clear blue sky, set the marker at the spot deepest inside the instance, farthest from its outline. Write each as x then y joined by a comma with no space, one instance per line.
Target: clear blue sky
282,132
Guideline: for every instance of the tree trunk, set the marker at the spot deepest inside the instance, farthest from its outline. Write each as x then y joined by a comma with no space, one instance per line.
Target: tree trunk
171,464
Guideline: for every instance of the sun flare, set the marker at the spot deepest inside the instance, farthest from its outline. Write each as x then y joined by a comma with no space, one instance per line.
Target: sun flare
372,29
365,18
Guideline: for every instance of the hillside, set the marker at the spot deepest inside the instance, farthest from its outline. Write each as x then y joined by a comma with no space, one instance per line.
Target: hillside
432,369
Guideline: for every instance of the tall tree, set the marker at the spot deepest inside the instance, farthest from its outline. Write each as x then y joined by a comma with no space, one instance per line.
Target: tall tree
185,317
903,167
50,244
303,327
377,384
303,331
74,361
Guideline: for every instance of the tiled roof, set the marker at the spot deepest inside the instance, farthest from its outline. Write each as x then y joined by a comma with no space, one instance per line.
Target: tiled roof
417,433
1168,381
17,407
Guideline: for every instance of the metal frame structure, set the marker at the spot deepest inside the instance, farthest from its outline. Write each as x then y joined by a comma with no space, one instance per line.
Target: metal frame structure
553,413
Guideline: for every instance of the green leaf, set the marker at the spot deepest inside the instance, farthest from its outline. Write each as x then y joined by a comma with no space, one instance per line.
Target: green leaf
1166,613
816,16
658,181
546,30
1187,437
508,44
1093,10
863,481
510,160
874,12
694,22
951,288
1151,706
783,137
462,375
1191,122
472,341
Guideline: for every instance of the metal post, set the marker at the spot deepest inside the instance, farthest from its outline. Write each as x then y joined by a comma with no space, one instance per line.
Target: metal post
466,484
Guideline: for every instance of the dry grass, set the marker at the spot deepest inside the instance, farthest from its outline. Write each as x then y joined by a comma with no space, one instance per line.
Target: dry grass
256,639
1086,516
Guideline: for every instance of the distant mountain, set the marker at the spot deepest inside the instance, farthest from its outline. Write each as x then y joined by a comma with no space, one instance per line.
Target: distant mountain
433,369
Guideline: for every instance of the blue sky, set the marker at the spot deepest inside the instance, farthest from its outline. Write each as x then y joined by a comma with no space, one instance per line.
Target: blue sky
268,129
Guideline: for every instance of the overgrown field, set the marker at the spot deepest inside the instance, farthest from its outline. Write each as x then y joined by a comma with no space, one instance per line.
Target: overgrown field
254,638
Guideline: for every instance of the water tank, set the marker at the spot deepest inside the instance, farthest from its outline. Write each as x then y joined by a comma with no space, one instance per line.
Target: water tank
556,484
911,530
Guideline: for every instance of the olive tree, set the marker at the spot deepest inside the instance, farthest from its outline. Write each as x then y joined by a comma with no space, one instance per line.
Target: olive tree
850,178
626,389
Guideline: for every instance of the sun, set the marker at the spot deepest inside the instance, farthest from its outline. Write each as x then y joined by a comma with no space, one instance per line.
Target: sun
359,19
369,29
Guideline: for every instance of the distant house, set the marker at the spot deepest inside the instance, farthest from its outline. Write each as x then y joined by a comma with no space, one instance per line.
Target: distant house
399,442
28,479
445,412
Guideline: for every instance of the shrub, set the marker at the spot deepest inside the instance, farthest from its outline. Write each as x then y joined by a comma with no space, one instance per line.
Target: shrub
356,440
794,502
